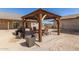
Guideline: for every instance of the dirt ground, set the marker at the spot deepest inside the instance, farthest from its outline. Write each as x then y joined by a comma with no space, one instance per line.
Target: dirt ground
66,41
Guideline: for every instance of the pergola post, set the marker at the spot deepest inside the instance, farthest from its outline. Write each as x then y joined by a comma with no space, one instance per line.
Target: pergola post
40,27
58,25
23,23
8,25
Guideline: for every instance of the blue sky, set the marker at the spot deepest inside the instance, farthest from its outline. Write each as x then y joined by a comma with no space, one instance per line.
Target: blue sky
59,11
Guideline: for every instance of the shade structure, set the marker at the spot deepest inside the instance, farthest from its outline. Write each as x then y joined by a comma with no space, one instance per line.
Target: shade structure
40,15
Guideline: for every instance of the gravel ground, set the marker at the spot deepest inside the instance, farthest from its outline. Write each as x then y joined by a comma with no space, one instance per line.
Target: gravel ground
53,42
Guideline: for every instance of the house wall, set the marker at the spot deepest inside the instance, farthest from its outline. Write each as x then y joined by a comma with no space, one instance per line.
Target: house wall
70,24
31,24
34,25
28,25
4,24
15,24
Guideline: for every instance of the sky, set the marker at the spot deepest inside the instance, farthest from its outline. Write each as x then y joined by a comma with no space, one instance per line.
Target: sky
58,11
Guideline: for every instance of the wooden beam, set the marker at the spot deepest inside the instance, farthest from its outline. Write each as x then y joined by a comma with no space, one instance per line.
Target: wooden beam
40,27
40,19
8,25
23,22
43,17
58,25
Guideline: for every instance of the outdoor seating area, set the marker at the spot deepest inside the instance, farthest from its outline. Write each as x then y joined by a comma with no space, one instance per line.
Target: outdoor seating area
29,35
40,15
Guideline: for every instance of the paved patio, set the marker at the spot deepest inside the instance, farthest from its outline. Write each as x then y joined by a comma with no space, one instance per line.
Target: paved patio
52,42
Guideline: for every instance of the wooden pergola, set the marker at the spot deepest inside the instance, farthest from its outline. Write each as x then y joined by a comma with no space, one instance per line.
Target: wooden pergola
40,15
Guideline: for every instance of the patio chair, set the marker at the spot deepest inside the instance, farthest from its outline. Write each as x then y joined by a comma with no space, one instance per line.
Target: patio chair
34,30
20,33
46,30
